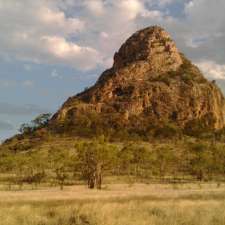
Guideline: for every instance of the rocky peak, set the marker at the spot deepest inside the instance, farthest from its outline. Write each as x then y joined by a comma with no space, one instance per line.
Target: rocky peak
150,83
152,46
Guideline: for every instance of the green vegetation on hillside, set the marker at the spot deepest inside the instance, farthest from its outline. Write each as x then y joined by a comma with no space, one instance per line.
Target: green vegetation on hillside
93,161
39,122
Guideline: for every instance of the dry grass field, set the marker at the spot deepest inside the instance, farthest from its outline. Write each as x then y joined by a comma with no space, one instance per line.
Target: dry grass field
122,204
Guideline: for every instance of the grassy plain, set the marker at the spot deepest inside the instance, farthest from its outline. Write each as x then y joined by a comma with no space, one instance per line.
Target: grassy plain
116,204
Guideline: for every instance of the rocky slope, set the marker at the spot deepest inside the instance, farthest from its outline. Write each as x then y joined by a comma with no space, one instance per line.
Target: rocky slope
151,83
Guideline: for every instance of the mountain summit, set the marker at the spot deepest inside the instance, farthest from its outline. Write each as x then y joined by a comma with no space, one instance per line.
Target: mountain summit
152,46
150,84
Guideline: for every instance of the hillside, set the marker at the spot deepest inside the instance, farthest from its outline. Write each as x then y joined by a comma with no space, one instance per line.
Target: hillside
151,91
150,85
151,117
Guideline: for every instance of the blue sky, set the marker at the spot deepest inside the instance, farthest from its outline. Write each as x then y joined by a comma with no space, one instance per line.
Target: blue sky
52,49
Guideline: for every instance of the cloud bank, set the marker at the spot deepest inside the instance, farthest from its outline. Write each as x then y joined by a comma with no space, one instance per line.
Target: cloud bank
84,34
38,31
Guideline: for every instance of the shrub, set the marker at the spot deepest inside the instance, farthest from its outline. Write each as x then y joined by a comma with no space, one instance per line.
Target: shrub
167,130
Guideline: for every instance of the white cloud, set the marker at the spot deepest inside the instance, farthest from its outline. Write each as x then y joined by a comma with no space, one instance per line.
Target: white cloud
154,14
41,35
212,70
84,58
96,7
189,6
205,16
130,8
85,34
117,20
201,33
46,34
57,21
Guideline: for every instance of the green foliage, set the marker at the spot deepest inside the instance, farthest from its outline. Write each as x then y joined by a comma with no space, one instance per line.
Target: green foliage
94,158
164,160
62,163
189,72
200,159
26,168
25,128
39,122
200,127
132,159
187,77
167,131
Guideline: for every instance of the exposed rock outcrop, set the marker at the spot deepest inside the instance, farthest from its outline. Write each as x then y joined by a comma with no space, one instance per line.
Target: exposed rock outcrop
150,82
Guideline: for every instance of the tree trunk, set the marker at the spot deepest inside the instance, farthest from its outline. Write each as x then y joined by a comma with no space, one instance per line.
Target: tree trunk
91,181
200,175
98,177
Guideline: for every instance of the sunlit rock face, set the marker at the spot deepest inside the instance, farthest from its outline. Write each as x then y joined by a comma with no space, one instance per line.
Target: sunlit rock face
151,47
150,82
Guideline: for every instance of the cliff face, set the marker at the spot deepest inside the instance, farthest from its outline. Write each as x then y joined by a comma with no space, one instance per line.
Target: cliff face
150,83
